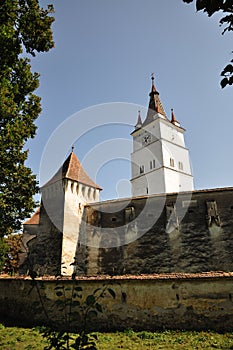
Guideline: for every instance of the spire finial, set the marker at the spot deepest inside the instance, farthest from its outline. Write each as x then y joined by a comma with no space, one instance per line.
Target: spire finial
173,119
153,88
72,148
152,78
173,116
139,121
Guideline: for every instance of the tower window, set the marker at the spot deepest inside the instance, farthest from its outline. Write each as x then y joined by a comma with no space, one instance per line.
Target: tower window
181,166
152,164
172,163
141,169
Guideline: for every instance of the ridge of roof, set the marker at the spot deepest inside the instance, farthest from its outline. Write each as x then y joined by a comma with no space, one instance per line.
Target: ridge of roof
72,169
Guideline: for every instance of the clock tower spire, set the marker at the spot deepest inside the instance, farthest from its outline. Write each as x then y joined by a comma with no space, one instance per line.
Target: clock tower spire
160,160
155,105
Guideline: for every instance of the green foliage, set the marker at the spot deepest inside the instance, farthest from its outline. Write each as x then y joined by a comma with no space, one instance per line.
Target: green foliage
25,26
12,338
77,311
12,257
27,339
3,251
211,7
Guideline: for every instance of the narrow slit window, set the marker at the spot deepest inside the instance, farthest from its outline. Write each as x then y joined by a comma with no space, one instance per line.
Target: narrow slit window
172,163
181,166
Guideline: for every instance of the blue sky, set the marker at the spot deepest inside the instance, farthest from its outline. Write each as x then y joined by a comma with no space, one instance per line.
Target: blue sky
105,51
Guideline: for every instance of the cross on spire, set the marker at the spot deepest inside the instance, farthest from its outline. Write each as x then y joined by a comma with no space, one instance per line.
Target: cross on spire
152,79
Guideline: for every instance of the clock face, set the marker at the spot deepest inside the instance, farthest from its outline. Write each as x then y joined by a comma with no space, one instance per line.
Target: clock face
174,137
147,139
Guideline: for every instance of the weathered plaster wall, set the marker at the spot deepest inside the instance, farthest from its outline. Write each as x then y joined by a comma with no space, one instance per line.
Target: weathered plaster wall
41,251
176,233
144,304
155,234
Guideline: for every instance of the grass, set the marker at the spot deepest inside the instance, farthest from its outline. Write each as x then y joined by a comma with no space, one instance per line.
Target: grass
12,338
20,339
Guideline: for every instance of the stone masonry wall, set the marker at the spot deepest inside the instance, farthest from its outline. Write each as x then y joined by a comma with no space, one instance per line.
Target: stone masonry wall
175,233
186,232
149,303
41,251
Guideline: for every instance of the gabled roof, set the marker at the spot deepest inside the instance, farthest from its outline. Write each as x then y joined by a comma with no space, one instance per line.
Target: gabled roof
34,219
72,169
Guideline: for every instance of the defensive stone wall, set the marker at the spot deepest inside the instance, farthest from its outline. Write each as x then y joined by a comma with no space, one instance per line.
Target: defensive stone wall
185,232
41,250
181,232
178,301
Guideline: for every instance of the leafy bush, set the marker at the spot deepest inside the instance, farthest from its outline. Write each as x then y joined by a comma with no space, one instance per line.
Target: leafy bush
3,251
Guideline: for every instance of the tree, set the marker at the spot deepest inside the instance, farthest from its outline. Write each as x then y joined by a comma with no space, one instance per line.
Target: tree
225,6
25,29
13,242
3,251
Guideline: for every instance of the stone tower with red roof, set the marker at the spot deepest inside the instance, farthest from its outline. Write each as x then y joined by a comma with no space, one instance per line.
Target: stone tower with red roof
63,199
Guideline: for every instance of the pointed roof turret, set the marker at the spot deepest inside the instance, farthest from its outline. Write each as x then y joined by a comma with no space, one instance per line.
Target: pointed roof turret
173,118
139,121
72,169
155,105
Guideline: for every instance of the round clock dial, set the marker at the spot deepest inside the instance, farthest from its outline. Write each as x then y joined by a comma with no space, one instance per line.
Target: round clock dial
147,139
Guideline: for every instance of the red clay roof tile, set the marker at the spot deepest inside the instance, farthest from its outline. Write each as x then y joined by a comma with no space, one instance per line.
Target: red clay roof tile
34,219
72,169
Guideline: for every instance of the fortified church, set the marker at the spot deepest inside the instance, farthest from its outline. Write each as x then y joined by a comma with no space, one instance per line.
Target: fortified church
166,226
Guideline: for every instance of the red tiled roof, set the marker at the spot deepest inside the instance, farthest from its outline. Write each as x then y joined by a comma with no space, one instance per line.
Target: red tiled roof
34,219
72,169
155,105
174,120
146,277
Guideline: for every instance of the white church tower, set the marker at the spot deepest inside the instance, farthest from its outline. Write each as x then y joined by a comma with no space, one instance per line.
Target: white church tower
160,161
